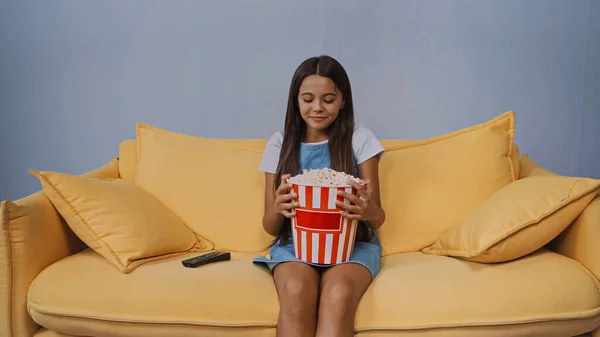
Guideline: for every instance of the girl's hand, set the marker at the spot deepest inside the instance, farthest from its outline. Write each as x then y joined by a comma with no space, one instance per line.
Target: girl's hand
284,198
364,208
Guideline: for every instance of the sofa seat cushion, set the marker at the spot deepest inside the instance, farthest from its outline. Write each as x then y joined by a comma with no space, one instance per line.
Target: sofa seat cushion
543,294
83,295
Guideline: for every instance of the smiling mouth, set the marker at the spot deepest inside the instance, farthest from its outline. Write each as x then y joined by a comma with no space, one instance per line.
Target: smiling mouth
318,118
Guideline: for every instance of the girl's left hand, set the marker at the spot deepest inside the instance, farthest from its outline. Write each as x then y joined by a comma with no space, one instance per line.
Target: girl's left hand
364,208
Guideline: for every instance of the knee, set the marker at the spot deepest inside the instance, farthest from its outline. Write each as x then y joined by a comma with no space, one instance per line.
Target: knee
298,301
298,290
338,296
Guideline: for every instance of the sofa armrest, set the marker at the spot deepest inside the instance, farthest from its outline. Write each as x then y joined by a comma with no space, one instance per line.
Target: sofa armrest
580,241
33,236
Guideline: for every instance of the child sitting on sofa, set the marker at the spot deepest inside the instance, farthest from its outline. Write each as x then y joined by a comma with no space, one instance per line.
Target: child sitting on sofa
320,132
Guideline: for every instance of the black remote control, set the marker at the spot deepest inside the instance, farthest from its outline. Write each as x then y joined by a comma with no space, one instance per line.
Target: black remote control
206,259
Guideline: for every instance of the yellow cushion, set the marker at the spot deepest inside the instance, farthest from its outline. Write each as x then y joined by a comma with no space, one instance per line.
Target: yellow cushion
215,188
82,296
543,294
518,219
428,186
118,219
414,295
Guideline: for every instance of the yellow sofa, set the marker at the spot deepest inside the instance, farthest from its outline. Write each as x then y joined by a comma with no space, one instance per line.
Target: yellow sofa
51,284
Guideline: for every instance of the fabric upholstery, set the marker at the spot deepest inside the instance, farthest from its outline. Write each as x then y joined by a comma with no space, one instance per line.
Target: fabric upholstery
415,294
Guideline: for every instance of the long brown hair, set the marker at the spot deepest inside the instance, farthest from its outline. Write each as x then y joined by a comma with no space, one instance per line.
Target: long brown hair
340,132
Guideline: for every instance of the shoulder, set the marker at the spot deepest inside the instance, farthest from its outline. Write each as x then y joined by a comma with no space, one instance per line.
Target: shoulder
365,144
363,134
275,140
270,158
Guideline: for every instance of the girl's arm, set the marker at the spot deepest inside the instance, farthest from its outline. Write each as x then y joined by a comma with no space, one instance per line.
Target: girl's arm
369,171
278,204
367,204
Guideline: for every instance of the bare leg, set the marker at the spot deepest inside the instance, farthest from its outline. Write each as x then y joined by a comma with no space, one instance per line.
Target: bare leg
298,289
342,287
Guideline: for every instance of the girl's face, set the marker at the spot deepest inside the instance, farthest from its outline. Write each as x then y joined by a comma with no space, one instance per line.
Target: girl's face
320,103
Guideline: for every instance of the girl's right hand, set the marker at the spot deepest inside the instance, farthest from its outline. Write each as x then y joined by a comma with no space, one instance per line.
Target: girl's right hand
284,198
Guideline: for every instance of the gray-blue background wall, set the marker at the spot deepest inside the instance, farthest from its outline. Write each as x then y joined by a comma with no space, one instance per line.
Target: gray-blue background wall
76,76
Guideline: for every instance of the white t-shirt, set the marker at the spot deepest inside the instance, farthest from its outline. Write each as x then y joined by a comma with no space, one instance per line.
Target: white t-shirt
365,146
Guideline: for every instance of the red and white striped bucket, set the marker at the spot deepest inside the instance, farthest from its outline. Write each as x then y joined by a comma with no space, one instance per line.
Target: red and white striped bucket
321,235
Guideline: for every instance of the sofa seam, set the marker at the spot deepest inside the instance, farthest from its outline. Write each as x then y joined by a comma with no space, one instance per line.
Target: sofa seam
35,308
589,314
9,266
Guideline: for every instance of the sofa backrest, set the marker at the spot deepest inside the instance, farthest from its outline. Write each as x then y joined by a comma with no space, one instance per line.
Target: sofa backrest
128,151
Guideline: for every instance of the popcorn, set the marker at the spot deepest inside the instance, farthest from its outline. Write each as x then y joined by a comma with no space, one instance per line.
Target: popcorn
324,178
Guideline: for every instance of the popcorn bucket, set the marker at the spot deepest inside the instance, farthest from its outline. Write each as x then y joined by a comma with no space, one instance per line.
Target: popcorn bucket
321,235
